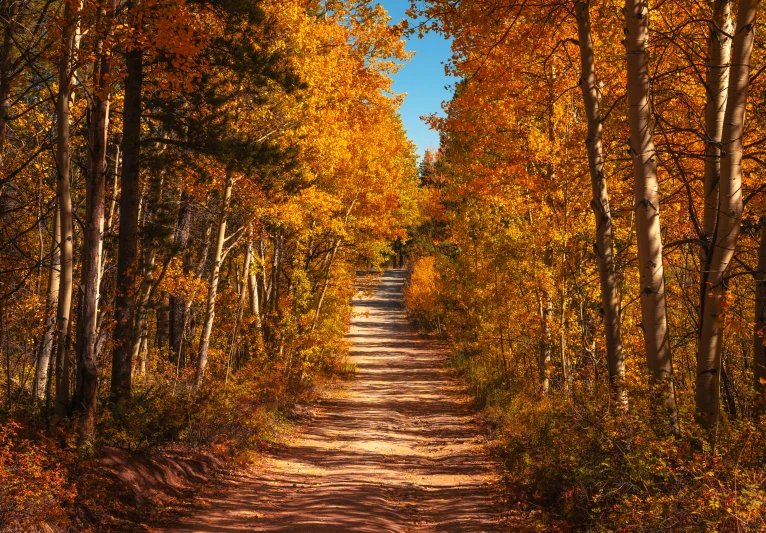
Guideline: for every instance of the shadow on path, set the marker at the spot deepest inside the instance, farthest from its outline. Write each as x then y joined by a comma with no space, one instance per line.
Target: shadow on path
399,451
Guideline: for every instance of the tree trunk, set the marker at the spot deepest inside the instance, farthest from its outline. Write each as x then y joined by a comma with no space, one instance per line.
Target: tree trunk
6,48
243,295
69,44
207,326
46,345
728,220
274,285
544,358
716,81
759,341
610,298
87,374
127,253
255,304
328,272
648,233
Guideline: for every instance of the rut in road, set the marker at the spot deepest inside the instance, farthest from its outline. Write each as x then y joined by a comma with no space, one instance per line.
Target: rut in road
399,451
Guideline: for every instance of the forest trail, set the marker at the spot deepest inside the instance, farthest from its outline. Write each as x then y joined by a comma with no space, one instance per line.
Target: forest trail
399,450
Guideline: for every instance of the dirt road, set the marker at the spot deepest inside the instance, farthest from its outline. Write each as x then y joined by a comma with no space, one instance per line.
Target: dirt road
399,451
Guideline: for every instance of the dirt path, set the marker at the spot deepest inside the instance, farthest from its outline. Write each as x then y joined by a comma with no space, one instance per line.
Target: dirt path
400,451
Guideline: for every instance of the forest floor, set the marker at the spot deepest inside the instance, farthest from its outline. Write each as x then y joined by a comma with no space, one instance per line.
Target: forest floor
398,449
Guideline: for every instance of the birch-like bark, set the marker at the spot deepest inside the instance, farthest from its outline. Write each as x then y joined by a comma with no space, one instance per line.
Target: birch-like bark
207,325
334,252
646,189
728,219
759,340
46,344
544,357
716,84
610,298
326,283
252,285
69,45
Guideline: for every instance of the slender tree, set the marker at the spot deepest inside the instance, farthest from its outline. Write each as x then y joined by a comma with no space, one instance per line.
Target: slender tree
46,343
610,298
66,70
716,84
728,221
207,324
646,190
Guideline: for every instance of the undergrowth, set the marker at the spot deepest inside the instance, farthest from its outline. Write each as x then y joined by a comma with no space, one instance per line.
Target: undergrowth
50,482
578,460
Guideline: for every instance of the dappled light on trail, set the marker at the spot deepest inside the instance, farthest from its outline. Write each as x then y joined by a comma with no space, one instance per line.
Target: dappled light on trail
397,450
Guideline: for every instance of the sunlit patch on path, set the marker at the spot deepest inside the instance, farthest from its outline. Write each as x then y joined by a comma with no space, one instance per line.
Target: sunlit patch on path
400,451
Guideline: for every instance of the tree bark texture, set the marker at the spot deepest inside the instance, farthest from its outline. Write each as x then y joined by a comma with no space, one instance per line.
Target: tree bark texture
647,208
728,220
610,298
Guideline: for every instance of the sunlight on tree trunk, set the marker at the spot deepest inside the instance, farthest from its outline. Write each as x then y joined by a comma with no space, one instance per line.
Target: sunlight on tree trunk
728,221
648,233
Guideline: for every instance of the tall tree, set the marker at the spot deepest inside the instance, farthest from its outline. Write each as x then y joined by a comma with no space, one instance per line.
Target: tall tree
610,298
728,220
45,349
212,292
122,361
716,85
66,71
646,189
87,375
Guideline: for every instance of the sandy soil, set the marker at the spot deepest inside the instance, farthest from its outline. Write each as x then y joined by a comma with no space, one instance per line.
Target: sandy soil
399,451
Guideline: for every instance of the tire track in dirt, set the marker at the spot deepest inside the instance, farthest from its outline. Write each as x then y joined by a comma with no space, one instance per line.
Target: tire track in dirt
398,451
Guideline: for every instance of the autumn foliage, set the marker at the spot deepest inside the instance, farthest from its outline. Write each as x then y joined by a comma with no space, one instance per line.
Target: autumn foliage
187,191
511,250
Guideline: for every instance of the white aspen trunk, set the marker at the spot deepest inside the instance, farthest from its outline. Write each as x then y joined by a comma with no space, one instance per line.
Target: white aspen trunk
728,219
716,82
329,265
565,362
243,295
69,45
207,326
255,301
647,209
604,248
108,223
318,308
544,358
265,283
46,344
255,304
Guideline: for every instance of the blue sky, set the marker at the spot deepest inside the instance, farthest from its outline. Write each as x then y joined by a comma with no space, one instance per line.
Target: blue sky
422,78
